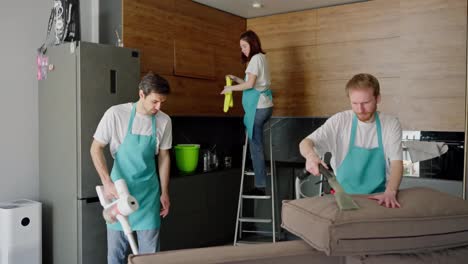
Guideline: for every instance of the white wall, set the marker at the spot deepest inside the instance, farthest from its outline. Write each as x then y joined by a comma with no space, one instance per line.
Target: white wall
23,26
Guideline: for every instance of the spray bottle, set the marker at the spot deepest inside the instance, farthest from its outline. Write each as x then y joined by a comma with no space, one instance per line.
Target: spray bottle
120,209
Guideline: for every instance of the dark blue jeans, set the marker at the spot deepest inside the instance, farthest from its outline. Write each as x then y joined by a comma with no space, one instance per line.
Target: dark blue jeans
262,115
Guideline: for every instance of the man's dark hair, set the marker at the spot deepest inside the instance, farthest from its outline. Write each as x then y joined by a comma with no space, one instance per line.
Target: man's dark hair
153,83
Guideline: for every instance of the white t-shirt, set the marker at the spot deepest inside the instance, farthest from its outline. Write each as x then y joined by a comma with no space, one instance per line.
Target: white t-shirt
334,135
114,124
258,66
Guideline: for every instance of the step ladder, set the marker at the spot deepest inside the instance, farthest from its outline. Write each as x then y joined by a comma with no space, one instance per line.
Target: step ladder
241,219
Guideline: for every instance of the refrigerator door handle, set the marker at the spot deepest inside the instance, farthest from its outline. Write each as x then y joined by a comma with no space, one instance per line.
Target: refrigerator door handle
113,81
90,200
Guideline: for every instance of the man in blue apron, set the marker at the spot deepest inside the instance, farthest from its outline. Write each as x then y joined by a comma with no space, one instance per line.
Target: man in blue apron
365,145
136,133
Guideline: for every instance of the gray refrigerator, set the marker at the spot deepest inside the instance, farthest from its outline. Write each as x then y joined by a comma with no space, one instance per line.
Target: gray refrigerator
83,81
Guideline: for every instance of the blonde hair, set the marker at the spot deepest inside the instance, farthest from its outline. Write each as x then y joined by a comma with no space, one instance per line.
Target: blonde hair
363,81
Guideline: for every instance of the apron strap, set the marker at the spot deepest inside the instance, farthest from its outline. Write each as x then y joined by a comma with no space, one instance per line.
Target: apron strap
130,122
379,129
353,132
268,92
153,124
154,133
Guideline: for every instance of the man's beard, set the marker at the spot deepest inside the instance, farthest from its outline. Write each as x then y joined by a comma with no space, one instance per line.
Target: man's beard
365,117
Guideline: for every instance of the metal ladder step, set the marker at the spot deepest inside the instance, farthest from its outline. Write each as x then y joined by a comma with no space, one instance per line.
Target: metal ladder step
254,220
246,243
262,197
257,232
254,239
251,173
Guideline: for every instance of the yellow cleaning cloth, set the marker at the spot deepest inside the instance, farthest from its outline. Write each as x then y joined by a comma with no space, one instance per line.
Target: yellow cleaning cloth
228,100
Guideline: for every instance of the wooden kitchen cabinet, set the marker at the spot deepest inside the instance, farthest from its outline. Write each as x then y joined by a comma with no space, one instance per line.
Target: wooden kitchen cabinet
194,59
190,44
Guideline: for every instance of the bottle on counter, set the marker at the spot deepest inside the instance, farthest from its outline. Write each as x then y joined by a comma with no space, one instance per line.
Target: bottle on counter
227,162
206,161
214,161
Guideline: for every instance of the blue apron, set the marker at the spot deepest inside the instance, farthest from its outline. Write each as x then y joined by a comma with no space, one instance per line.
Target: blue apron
135,163
249,102
363,170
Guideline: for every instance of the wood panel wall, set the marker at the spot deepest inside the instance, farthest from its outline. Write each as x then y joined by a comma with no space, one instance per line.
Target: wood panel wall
416,48
191,45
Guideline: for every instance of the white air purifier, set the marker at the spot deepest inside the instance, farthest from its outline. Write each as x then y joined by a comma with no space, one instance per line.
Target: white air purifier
20,232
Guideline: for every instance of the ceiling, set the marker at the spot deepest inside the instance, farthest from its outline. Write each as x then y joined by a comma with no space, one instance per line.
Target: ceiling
243,8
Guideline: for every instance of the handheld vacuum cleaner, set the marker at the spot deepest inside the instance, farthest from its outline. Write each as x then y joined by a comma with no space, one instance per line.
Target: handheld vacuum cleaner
120,209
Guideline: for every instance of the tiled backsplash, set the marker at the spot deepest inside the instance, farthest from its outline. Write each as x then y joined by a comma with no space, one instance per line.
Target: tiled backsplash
226,135
287,133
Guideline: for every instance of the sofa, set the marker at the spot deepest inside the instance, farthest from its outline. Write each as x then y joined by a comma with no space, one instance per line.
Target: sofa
430,227
290,252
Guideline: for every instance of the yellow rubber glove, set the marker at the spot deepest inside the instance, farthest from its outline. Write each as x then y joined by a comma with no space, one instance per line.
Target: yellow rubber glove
228,99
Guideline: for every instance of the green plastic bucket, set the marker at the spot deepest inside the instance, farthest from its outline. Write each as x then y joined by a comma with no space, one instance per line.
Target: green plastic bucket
187,157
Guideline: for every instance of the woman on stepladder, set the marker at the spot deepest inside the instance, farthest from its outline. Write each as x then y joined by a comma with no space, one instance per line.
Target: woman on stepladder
257,102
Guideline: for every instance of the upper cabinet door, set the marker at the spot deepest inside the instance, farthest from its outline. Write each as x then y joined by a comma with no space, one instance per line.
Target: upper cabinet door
194,59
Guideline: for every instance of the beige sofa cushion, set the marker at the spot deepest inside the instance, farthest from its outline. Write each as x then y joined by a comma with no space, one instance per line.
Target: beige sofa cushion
445,256
427,220
290,252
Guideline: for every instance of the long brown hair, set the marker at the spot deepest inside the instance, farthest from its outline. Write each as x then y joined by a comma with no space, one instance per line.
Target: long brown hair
254,42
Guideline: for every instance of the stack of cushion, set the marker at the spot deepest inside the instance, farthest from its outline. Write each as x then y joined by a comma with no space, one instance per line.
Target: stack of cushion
427,222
